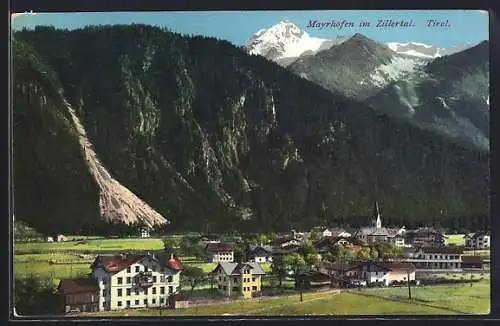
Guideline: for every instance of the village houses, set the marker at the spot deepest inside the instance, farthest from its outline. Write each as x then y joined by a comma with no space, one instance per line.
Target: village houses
239,279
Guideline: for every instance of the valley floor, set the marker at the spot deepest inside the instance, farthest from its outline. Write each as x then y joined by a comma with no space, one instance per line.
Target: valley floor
73,258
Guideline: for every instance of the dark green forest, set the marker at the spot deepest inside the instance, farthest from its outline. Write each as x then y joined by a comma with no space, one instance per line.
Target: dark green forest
215,140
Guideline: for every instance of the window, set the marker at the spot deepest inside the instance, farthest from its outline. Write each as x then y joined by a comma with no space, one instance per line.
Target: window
136,291
137,268
235,280
104,304
128,280
253,279
154,268
220,286
162,290
171,289
235,288
119,303
128,269
146,302
146,291
104,293
225,288
128,303
220,278
119,280
162,300
154,279
104,281
153,301
136,302
128,291
154,290
119,291
170,279
162,278
254,288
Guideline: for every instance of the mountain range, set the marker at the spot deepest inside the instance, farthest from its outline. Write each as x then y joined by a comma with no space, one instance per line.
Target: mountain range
441,89
285,42
139,124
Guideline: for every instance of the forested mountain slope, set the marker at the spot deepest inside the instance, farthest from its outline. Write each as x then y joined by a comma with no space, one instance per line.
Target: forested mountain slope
213,138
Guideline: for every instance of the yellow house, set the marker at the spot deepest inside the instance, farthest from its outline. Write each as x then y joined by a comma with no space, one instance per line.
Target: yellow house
239,279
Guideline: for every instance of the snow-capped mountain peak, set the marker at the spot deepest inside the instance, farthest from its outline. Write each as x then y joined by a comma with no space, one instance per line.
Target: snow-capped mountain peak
283,40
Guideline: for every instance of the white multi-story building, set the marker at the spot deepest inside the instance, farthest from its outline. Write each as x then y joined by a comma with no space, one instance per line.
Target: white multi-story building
478,241
435,258
385,273
144,232
135,280
219,252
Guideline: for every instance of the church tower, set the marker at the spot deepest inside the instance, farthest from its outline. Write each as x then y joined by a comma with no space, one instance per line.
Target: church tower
376,213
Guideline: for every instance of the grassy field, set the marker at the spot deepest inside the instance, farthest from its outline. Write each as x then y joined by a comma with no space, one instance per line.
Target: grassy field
438,300
93,245
485,252
456,239
42,269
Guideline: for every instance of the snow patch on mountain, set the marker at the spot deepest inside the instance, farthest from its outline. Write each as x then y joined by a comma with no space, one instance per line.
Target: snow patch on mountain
394,70
423,50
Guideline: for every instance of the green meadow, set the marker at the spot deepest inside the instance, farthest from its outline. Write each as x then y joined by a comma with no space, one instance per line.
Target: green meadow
436,300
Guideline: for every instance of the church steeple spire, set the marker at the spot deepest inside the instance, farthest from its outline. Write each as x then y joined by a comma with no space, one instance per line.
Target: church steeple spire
376,213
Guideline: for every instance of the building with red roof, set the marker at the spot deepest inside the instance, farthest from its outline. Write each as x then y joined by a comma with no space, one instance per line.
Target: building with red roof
130,280
79,295
136,280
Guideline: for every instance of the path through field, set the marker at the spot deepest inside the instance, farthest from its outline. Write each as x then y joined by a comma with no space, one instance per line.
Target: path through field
328,294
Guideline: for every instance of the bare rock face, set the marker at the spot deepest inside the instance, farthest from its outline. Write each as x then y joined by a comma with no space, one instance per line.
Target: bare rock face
116,202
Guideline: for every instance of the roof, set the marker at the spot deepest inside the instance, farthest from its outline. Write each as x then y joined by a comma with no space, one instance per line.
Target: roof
267,248
330,241
80,285
397,266
336,266
385,266
425,231
316,275
171,262
472,259
374,231
116,263
286,250
234,268
443,250
337,231
479,234
285,239
219,246
178,297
